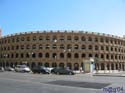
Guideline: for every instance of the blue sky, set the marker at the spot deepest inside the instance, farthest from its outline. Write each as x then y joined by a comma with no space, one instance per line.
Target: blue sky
104,16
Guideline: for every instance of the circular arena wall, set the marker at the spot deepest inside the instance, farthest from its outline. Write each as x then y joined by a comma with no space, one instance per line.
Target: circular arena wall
63,49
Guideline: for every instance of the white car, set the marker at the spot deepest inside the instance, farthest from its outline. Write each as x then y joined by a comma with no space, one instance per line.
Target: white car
22,68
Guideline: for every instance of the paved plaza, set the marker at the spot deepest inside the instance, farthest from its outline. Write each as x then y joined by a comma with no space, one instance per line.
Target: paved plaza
12,82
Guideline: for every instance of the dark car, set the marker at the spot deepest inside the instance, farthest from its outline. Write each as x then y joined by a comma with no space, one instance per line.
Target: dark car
62,71
40,69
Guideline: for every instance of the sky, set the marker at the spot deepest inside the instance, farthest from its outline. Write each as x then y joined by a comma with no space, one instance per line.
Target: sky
103,16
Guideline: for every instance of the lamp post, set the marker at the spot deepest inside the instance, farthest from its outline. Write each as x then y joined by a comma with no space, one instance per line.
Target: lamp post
65,51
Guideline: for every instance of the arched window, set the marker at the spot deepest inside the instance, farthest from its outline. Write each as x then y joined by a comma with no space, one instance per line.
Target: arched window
76,46
61,55
83,38
90,55
68,55
89,39
83,55
96,55
27,55
40,55
68,46
90,47
61,65
69,38
96,39
47,46
54,55
54,65
40,38
96,47
62,46
76,38
76,55
33,55
22,55
83,47
34,38
27,46
40,46
47,55
46,64
34,46
54,46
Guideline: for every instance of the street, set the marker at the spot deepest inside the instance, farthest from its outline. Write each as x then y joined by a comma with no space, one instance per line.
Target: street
12,82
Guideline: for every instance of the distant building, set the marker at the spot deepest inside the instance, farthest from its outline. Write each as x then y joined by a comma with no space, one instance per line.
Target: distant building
63,49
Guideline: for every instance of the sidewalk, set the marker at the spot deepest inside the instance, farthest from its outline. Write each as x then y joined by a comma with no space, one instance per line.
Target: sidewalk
118,74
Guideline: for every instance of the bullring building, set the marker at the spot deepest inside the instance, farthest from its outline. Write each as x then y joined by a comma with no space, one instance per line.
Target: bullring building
63,49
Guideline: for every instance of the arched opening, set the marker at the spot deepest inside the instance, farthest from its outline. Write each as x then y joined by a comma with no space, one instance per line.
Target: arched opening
61,55
46,64
33,65
69,65
7,64
39,63
54,65
61,65
116,65
76,66
112,66
76,55
68,55
102,66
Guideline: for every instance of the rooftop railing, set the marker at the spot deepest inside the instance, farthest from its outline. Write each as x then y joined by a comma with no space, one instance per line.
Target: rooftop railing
66,31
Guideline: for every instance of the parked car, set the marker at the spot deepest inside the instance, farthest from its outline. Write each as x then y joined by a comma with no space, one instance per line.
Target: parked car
22,68
40,69
62,71
1,69
9,69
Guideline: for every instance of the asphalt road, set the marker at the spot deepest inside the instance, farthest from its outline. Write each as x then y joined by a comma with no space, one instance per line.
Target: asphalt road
11,82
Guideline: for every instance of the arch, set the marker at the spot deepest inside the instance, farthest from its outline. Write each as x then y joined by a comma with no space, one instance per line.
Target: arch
33,64
7,64
102,66
69,46
69,55
76,55
62,46
33,55
54,65
112,66
83,47
83,55
61,65
46,64
76,46
40,64
40,55
61,55
76,66
47,55
69,65
54,55
90,47
83,38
